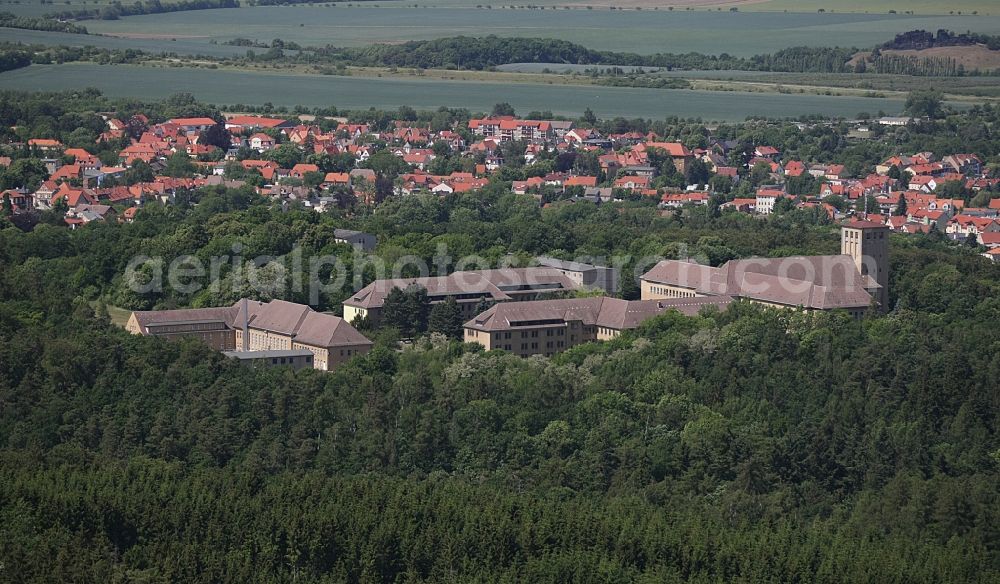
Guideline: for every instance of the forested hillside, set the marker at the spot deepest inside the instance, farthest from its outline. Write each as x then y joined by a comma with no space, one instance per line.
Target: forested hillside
743,446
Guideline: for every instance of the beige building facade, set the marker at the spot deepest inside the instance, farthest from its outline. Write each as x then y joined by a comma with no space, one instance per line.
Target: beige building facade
547,327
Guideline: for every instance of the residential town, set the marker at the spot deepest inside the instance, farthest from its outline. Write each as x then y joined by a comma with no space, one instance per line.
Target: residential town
908,192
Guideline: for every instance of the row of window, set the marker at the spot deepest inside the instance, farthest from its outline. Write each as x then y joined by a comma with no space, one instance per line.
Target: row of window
534,346
671,293
532,334
852,234
290,360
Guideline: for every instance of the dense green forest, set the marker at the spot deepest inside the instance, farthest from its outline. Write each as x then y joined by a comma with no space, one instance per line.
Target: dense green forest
749,445
921,39
14,60
490,51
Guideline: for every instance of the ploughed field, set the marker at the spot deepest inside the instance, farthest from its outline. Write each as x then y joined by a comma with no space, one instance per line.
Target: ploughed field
225,87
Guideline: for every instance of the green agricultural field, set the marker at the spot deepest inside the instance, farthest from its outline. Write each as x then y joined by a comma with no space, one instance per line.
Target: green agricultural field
646,31
179,46
991,7
227,87
969,85
37,8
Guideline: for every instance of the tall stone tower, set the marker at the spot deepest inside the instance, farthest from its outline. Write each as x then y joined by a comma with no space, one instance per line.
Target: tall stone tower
868,243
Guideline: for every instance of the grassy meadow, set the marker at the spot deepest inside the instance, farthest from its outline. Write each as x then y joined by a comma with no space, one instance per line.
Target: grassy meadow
228,87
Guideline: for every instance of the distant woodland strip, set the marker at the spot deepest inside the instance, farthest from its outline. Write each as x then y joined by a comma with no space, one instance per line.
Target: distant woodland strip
116,10
9,20
921,39
483,53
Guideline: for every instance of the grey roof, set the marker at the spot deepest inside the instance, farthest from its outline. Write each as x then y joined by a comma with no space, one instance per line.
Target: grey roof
153,318
820,282
96,209
496,285
566,265
301,323
601,311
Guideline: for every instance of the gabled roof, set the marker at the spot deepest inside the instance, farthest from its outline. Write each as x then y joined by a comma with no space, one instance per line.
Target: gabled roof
492,284
192,122
255,122
820,282
303,168
337,177
613,313
301,323
151,318
990,239
674,149
44,143
581,181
